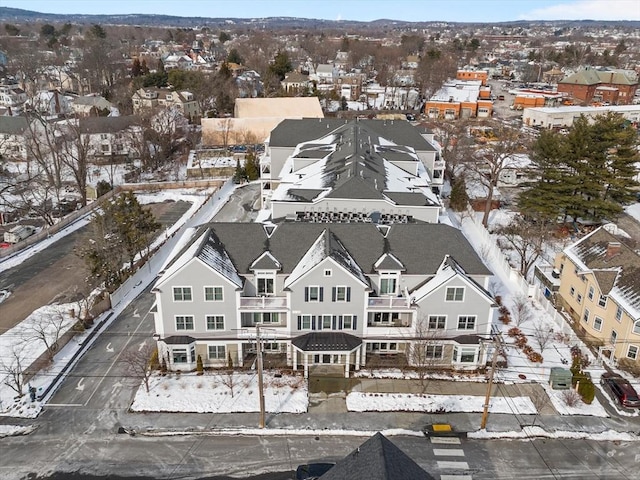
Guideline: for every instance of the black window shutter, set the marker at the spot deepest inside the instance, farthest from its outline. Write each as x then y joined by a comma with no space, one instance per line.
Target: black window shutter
306,294
321,293
348,294
313,322
319,321
339,322
334,322
355,322
333,294
299,322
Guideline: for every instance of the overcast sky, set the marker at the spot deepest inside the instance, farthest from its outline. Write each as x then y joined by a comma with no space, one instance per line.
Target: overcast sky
364,10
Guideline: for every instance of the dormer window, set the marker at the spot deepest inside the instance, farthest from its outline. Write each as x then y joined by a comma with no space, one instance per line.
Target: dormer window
389,283
265,283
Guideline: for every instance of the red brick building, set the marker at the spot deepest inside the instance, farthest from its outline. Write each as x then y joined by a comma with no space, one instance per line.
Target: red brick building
593,86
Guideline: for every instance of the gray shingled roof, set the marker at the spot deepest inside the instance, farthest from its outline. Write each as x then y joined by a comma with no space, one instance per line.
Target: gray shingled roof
420,247
377,459
13,125
290,133
106,124
326,341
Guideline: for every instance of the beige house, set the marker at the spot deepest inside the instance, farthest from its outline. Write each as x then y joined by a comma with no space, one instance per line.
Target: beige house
149,98
254,118
600,289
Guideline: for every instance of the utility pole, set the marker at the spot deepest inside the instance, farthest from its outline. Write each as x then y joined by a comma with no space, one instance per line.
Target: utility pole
260,379
494,360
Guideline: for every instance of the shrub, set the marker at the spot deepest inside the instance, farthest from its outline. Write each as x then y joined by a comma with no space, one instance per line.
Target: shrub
527,350
506,319
586,389
629,366
514,332
534,357
570,397
504,310
521,341
498,299
199,365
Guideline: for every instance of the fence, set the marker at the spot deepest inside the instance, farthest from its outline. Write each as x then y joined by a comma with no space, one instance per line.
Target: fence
489,248
147,272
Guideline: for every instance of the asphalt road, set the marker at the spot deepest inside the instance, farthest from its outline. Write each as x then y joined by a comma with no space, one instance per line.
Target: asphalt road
78,432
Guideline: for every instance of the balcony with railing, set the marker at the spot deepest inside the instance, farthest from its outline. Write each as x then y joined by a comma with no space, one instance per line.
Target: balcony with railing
263,303
389,302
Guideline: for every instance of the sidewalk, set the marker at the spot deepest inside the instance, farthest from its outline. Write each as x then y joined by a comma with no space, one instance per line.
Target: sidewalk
327,414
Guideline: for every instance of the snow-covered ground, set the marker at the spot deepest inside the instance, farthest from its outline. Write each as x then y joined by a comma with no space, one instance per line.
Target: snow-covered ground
212,393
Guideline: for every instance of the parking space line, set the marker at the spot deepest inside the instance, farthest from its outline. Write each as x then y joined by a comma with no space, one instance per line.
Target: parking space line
451,452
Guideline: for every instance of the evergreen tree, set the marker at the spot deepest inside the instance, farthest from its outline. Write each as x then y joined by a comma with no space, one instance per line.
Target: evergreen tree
251,167
588,173
136,68
281,65
239,174
234,57
459,199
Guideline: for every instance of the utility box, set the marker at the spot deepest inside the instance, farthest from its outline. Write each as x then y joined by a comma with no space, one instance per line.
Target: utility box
560,378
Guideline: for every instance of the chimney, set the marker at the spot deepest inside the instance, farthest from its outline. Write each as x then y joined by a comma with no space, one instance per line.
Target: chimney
613,248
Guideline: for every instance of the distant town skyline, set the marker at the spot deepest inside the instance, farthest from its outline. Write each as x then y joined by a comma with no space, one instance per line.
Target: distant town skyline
360,10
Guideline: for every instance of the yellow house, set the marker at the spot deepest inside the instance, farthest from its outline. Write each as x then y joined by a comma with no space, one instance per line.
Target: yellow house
600,289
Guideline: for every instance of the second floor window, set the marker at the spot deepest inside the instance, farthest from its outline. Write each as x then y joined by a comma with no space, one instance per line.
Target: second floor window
467,322
215,322
618,313
184,322
182,294
213,294
437,321
313,294
341,294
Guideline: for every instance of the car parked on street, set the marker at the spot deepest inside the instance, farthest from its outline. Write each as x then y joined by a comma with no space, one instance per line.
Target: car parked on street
620,390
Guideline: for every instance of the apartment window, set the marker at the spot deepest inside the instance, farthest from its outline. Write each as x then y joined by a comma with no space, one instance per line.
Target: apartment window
305,322
313,294
327,272
180,355
618,313
572,291
341,294
326,322
213,294
597,323
103,136
433,351
347,322
382,347
590,295
614,337
632,352
182,294
105,148
215,322
467,322
388,283
636,327
184,322
437,321
386,317
455,294
602,301
579,298
585,317
266,285
217,352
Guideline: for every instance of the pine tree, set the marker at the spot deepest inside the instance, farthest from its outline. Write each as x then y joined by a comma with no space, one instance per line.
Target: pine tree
459,200
136,68
251,167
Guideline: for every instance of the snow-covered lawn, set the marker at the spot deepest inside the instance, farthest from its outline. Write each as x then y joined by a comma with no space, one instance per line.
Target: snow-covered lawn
581,408
212,393
407,402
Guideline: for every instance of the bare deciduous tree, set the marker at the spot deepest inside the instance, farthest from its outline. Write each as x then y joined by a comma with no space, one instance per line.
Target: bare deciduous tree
12,366
141,363
527,239
520,310
228,379
543,335
424,349
48,329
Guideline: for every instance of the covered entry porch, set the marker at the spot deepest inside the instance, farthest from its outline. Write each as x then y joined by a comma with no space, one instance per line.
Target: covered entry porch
326,348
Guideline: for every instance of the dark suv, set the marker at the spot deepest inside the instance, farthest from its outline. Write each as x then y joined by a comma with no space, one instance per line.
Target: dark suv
620,389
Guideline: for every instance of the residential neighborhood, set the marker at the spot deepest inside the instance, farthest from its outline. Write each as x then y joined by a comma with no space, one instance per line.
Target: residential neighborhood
279,247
